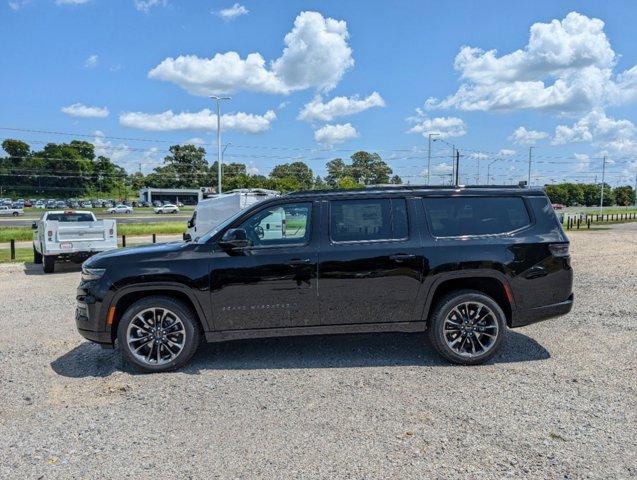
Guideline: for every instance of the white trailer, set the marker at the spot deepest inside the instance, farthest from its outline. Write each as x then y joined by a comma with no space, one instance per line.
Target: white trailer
212,211
71,235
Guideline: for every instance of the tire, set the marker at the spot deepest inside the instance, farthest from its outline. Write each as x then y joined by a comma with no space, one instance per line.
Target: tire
37,256
15,214
49,263
129,328
489,332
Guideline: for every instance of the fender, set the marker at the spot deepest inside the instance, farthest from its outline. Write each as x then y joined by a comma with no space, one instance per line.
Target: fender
469,273
206,321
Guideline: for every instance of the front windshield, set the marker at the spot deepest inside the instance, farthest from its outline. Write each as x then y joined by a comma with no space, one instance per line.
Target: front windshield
207,236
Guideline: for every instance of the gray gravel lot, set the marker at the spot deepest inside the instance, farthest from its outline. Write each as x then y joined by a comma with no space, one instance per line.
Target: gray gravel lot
559,402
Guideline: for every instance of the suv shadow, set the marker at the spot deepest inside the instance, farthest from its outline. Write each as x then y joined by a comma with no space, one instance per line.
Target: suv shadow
322,351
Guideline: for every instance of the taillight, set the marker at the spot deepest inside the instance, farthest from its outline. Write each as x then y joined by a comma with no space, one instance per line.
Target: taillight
559,249
110,232
50,233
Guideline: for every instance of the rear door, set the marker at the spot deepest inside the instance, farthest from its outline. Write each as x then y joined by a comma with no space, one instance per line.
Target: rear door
370,261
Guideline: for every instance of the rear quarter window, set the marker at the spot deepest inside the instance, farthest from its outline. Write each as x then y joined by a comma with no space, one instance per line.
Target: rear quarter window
458,216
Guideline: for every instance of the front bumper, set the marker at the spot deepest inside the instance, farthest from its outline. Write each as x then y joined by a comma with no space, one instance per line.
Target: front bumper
89,318
533,315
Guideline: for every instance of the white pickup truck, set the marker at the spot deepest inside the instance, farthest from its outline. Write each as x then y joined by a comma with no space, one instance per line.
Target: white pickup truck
5,210
71,235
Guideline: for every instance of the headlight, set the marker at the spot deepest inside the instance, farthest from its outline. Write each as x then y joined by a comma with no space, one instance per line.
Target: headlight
89,274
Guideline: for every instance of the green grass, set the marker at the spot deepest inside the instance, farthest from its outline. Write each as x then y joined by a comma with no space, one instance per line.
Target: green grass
21,234
21,255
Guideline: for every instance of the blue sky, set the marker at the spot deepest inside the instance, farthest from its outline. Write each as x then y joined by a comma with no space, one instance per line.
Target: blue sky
316,80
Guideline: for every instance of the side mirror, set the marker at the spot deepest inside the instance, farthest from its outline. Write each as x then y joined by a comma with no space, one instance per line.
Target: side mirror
235,238
34,226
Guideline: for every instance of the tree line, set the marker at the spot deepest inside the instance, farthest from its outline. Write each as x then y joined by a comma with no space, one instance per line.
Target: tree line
73,170
589,194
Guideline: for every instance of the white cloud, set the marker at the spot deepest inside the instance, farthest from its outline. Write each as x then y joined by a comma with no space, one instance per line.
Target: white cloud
105,148
332,134
443,168
283,105
202,120
596,127
252,170
583,162
567,66
81,110
445,127
478,156
316,55
70,2
232,12
145,6
506,152
522,136
339,107
92,61
195,141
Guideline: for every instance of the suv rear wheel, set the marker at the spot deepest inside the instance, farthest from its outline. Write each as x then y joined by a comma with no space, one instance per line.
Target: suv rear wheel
467,327
158,334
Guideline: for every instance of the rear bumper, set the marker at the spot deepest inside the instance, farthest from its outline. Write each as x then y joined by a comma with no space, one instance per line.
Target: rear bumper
533,315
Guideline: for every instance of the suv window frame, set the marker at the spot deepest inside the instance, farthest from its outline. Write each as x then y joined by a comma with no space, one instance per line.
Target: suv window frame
251,213
508,233
373,241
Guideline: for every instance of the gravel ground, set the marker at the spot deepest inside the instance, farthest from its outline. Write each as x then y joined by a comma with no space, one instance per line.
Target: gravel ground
559,402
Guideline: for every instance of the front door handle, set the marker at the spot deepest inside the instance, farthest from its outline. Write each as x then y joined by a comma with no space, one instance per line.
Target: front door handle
401,257
298,261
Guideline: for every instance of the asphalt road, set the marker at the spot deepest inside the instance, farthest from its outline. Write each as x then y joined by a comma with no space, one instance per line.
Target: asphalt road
560,401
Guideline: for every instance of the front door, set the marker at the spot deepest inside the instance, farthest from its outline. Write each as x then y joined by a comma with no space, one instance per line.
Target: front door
272,282
370,262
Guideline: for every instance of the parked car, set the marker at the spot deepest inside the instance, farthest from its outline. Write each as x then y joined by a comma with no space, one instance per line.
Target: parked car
463,264
557,206
157,203
120,209
167,208
71,235
10,211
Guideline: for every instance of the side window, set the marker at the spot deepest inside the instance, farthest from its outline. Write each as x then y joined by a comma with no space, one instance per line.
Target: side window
365,220
280,225
457,216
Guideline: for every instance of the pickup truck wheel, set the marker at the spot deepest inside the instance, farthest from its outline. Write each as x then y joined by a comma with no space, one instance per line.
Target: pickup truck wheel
49,263
467,327
37,256
158,334
15,214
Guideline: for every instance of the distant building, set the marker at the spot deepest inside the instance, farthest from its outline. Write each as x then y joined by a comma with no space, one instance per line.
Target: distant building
187,196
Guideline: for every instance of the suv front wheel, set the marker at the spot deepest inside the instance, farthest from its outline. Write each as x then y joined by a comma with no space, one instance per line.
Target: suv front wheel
467,327
158,334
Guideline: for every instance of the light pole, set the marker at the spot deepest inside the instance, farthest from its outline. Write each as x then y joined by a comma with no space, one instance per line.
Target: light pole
218,100
429,156
601,197
530,150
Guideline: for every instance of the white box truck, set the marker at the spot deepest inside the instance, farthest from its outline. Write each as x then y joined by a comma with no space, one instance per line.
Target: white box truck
212,211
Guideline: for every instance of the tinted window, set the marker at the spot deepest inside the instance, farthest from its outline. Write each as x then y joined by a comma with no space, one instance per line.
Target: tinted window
373,219
475,216
280,225
70,217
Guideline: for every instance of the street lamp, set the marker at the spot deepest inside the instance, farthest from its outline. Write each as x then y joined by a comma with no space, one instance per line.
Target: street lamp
218,100
488,168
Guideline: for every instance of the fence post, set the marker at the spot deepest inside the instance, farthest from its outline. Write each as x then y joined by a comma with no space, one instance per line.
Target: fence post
154,238
12,249
578,222
123,240
588,223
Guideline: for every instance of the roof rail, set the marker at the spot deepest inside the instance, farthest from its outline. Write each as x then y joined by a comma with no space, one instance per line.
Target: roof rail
404,188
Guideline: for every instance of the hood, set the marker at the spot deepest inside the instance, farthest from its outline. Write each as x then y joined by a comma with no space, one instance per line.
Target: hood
131,254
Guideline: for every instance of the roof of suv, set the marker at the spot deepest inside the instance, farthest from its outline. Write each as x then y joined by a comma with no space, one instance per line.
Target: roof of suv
425,190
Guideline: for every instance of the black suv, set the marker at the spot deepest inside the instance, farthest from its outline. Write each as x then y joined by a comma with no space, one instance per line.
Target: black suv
461,263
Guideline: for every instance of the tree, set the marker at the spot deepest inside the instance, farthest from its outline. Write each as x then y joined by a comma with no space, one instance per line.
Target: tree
16,148
396,180
349,183
336,169
624,195
298,171
319,184
186,167
369,169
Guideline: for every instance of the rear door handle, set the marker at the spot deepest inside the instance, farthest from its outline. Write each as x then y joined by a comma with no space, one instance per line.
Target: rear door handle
299,261
401,257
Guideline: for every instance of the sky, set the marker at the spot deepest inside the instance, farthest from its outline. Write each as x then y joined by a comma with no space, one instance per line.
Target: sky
311,81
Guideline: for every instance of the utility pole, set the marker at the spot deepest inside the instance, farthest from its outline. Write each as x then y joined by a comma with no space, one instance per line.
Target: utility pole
530,158
635,190
489,168
457,166
429,157
601,196
218,100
